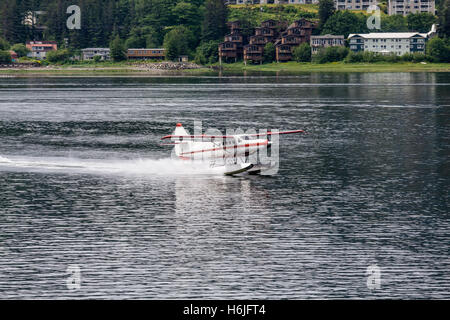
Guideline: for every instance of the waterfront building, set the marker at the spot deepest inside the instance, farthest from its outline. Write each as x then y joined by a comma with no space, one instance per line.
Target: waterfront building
397,43
232,47
90,53
146,54
39,49
267,32
328,40
14,56
297,33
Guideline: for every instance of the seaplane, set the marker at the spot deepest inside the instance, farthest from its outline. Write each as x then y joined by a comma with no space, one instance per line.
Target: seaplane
237,153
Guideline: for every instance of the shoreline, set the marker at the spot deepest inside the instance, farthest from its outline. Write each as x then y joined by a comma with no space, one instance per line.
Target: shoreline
288,68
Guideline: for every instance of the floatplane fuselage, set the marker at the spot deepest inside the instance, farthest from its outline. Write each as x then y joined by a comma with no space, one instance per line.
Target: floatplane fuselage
235,152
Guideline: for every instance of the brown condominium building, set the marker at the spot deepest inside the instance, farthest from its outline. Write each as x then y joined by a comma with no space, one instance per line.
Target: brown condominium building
267,32
146,54
297,33
232,47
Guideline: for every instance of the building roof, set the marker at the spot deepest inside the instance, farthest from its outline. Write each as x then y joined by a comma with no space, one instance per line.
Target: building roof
146,49
395,35
95,49
387,35
328,36
41,42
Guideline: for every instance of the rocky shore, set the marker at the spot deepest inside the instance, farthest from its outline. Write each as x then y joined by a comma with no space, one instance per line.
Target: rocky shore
167,65
20,65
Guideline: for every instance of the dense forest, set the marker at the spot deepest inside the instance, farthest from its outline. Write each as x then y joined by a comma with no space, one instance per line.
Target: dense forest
142,23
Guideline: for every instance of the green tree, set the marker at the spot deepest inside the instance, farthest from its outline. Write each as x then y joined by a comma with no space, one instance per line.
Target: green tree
420,22
394,23
302,53
345,22
438,50
186,14
214,22
4,45
326,10
20,49
444,18
247,20
372,57
124,16
59,55
178,41
5,56
142,37
330,54
207,52
13,13
269,52
354,57
117,49
157,14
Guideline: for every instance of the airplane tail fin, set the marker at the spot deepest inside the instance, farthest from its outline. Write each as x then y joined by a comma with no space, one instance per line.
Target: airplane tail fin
180,131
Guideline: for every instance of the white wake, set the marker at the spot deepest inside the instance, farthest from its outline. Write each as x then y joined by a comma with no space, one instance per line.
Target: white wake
166,166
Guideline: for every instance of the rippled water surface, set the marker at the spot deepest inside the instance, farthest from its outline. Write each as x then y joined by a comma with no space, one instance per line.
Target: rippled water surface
84,181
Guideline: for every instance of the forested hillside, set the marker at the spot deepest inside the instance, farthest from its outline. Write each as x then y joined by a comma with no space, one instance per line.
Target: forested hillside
193,27
140,22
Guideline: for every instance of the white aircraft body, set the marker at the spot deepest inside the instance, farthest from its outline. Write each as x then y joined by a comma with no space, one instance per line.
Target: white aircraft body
236,152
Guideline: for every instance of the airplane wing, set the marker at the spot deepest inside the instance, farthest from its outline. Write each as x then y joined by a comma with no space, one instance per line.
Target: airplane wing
270,133
204,136
193,137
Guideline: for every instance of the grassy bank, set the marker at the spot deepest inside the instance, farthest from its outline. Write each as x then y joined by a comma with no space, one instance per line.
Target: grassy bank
295,67
112,69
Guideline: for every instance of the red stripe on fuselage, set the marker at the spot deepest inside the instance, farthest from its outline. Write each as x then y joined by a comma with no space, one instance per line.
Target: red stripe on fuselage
229,147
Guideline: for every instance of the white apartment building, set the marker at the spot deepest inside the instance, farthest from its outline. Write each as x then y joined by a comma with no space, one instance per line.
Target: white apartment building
404,7
271,1
398,43
354,4
301,1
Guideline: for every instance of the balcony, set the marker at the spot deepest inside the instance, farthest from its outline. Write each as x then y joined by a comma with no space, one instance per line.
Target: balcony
257,40
291,40
234,39
284,49
227,46
252,49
